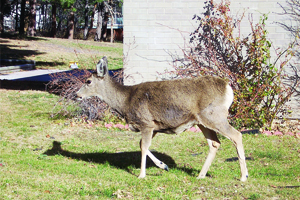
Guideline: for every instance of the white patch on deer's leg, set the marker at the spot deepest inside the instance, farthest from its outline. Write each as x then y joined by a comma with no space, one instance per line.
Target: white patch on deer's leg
145,144
214,144
157,162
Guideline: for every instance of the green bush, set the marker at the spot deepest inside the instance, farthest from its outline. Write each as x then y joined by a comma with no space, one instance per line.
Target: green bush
246,62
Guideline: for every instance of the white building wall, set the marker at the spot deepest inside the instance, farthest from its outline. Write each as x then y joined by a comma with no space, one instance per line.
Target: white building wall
155,28
152,28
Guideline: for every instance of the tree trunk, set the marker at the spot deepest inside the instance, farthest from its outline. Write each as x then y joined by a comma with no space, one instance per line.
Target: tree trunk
32,19
59,28
92,18
99,23
17,14
104,26
1,16
60,19
71,26
22,18
45,13
40,16
86,20
112,29
53,31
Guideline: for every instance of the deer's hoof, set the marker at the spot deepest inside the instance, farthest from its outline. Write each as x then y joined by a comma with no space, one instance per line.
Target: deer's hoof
243,179
201,176
166,167
142,176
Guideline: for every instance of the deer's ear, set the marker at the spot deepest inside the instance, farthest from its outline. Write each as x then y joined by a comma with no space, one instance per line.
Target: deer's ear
102,68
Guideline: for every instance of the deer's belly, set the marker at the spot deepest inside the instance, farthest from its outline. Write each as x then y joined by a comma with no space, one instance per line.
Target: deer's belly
179,129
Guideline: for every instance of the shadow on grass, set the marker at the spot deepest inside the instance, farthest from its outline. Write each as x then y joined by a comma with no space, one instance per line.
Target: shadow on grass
122,160
10,51
233,159
22,85
16,51
50,64
16,36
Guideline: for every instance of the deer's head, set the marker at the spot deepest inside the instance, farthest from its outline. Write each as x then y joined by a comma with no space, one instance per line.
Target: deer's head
95,85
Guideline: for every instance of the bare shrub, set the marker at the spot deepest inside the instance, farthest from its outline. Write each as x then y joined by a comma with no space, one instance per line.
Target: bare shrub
66,84
258,84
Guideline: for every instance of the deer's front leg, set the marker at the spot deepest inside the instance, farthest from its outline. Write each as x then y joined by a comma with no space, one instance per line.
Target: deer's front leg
157,162
145,144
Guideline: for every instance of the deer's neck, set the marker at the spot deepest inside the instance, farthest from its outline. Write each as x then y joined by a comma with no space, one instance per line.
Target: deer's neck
116,95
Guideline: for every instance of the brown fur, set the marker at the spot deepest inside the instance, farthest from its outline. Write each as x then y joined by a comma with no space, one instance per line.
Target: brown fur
170,107
170,104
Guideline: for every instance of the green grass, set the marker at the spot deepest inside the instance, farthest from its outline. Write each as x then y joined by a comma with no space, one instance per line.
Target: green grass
56,53
44,158
90,51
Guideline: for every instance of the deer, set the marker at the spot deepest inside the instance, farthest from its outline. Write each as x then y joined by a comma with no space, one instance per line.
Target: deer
171,107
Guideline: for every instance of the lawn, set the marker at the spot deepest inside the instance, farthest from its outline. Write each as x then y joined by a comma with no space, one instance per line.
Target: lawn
61,158
64,158
56,53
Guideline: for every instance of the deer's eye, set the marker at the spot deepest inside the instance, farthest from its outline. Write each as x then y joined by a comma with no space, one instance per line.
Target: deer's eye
88,82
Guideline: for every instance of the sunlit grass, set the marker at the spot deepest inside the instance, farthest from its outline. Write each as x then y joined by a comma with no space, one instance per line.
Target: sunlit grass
45,158
56,53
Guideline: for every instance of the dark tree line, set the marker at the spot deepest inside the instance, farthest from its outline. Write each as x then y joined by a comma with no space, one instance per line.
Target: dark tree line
58,18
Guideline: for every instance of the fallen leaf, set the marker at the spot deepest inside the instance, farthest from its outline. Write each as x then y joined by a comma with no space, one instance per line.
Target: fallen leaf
120,194
161,189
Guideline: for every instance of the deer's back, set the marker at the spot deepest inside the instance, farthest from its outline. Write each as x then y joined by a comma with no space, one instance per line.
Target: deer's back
171,103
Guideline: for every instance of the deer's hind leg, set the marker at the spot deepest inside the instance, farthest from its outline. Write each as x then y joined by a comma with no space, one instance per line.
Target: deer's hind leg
222,127
214,144
215,118
236,137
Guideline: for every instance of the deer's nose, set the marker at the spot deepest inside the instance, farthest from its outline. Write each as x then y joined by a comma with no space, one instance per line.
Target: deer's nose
78,98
